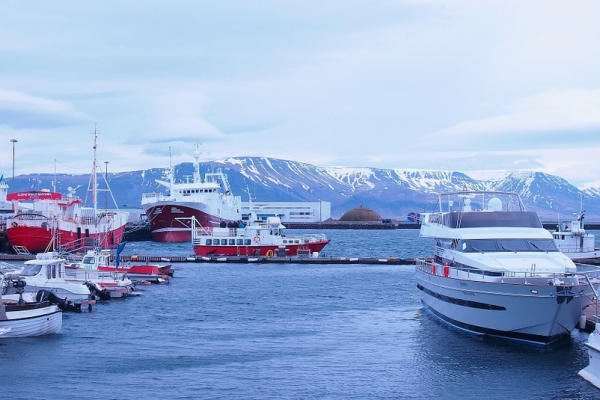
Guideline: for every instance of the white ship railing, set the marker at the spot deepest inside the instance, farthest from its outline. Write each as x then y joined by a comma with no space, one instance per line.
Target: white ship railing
505,276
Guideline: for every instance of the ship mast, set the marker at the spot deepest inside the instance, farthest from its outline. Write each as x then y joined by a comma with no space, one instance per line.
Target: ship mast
94,177
197,178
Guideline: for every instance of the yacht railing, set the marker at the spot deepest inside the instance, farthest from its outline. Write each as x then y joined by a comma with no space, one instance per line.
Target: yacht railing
533,276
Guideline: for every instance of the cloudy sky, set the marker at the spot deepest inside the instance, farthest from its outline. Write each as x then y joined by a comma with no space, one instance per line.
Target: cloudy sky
471,86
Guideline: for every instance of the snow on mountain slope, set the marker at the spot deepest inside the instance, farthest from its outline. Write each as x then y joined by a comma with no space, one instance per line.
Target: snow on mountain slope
392,193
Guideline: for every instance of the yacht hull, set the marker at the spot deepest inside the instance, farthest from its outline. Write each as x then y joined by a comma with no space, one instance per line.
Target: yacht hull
535,314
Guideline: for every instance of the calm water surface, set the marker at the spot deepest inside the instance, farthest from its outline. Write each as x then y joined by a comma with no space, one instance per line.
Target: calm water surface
289,331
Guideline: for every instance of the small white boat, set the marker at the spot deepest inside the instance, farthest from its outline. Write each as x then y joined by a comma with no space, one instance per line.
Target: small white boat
591,373
98,261
572,239
47,271
21,315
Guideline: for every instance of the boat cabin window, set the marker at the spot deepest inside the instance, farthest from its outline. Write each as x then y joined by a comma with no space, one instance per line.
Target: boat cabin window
209,242
30,270
240,242
232,242
247,242
504,245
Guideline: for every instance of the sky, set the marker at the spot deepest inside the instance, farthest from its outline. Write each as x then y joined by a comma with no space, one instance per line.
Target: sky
470,86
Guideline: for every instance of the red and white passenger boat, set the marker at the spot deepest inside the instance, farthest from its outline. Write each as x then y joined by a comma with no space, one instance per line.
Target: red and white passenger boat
257,239
48,221
208,201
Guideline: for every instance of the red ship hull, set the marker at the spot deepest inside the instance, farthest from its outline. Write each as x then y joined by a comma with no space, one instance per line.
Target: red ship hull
37,239
171,222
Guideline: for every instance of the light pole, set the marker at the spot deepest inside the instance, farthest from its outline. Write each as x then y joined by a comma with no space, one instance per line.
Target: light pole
13,160
106,181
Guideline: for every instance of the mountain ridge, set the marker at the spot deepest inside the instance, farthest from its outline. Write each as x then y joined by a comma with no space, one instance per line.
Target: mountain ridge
392,193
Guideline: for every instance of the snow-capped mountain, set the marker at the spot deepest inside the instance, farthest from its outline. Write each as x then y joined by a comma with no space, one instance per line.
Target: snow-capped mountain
393,193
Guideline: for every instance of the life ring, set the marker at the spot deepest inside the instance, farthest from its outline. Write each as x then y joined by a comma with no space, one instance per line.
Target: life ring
270,253
256,239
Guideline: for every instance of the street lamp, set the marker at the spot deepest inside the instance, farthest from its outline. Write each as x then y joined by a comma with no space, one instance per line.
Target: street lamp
106,181
13,160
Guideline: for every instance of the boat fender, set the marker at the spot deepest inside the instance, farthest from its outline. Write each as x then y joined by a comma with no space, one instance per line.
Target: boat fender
256,239
446,270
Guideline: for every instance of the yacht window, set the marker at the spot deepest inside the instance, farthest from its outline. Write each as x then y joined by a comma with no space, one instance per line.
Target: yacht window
53,271
30,270
48,272
542,245
478,246
513,245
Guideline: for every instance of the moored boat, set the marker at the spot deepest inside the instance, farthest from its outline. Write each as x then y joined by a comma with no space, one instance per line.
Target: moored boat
48,221
497,272
208,200
99,260
256,239
47,271
22,315
572,239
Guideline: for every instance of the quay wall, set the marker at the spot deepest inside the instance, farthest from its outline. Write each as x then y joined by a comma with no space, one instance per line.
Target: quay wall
136,233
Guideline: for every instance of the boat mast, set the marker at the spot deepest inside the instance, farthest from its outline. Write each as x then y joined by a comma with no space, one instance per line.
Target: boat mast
171,172
197,178
94,177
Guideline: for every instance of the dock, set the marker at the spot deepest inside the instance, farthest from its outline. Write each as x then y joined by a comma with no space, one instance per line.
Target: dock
241,259
302,260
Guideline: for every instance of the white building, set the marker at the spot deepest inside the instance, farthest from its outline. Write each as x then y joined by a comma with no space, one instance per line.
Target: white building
290,212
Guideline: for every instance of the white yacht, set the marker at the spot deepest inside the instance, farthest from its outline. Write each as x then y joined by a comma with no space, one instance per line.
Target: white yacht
497,272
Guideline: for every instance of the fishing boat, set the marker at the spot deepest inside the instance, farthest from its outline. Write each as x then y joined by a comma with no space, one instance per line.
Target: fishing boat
496,272
258,238
48,221
22,315
100,260
208,200
572,239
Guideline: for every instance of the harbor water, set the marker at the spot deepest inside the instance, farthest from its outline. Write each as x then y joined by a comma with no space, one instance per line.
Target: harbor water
284,331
